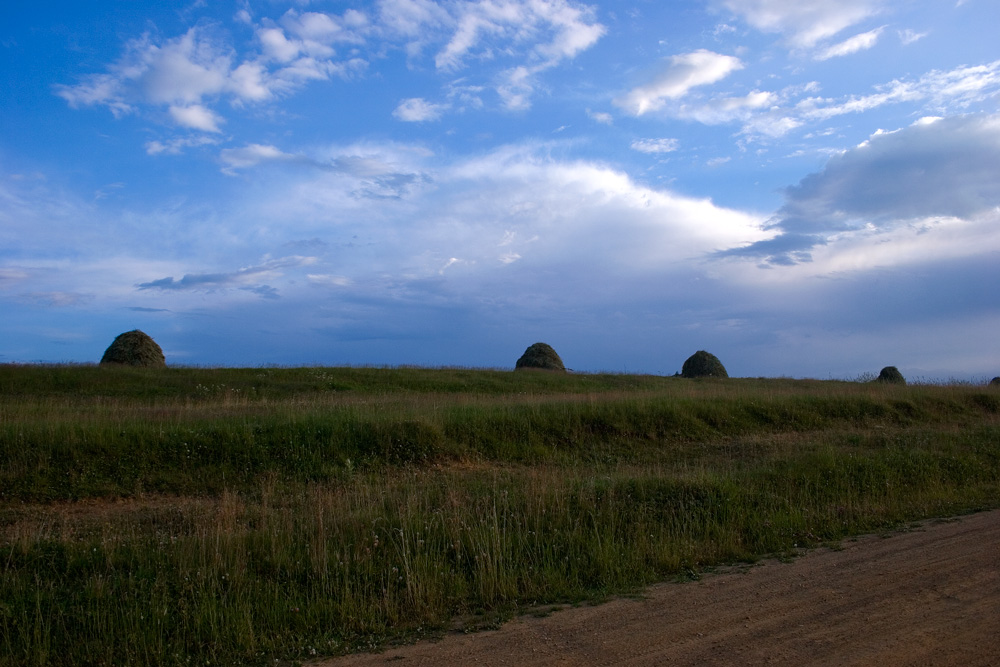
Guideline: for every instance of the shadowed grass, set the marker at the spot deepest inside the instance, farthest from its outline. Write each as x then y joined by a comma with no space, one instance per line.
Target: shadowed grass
277,517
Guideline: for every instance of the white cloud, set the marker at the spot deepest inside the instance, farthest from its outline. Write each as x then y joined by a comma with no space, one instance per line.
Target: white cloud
416,109
602,117
196,117
862,42
574,27
326,29
804,22
178,73
909,36
681,74
765,114
569,29
516,87
655,145
727,109
250,156
249,82
277,46
540,34
588,218
181,71
954,89
175,147
411,18
936,177
188,75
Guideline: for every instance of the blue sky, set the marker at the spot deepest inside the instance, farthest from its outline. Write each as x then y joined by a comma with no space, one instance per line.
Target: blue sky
804,188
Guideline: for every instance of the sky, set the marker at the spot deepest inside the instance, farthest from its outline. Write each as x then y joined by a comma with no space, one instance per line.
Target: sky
803,188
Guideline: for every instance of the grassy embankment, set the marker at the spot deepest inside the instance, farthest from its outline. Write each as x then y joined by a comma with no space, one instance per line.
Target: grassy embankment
236,516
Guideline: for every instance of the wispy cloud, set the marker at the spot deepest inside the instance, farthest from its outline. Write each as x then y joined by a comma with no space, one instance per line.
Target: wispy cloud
680,74
804,22
773,114
10,275
416,110
569,29
910,36
602,117
177,145
252,155
862,42
655,145
954,89
57,299
247,278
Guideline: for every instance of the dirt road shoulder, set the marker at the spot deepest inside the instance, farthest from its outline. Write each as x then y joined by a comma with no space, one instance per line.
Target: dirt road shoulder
927,596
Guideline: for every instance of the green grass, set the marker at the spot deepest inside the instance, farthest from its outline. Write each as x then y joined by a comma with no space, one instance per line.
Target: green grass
239,516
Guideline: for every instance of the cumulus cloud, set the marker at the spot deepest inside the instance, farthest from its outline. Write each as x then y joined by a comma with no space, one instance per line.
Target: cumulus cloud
187,73
178,73
527,37
933,173
417,109
680,74
196,117
517,208
187,76
411,18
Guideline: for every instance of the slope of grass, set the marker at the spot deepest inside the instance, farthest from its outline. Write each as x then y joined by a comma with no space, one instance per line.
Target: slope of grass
238,516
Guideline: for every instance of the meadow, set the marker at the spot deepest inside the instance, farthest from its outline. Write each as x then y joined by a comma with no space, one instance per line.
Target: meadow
201,516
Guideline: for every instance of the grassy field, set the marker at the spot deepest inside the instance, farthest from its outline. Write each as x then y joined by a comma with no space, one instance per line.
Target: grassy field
241,516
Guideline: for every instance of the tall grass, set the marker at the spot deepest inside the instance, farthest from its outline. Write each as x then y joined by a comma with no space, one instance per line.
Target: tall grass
175,525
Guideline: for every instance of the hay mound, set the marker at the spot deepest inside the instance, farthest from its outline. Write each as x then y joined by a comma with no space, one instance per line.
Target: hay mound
540,356
703,364
134,348
995,382
890,375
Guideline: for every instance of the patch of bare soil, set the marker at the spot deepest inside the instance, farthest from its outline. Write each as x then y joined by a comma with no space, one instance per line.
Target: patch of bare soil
929,596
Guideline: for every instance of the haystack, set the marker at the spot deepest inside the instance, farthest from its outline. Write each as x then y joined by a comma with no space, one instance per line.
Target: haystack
995,382
703,364
890,375
540,356
134,348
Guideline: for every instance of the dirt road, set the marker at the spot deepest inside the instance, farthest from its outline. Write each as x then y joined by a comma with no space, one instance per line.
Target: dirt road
930,596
